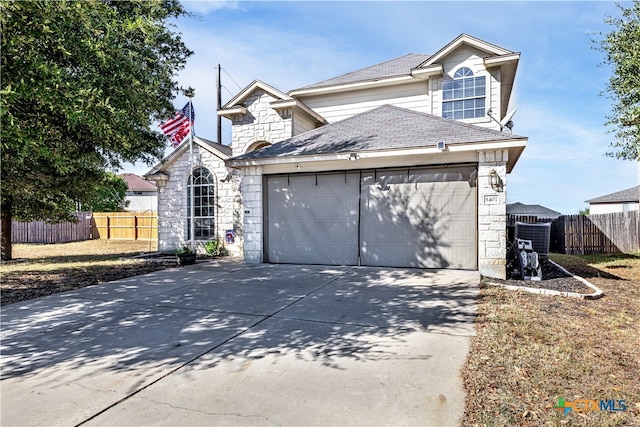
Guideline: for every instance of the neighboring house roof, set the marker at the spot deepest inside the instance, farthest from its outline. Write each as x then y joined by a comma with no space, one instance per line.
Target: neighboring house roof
221,151
137,183
396,67
534,210
629,195
381,129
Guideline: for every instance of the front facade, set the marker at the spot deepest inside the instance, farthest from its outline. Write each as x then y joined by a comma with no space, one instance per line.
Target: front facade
400,164
216,197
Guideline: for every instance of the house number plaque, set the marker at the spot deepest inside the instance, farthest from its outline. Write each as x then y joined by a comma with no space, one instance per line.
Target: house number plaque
491,199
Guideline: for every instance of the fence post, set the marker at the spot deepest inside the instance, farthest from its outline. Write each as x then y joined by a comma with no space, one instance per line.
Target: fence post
135,227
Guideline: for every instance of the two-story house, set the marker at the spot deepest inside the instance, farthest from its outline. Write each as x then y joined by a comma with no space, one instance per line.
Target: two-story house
400,164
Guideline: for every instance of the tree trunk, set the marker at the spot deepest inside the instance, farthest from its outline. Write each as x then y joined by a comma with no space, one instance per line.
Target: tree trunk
5,241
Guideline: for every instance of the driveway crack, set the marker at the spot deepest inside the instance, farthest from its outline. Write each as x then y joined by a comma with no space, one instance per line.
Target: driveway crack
223,414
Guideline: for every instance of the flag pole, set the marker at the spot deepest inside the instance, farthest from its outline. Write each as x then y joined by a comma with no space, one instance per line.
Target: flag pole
190,93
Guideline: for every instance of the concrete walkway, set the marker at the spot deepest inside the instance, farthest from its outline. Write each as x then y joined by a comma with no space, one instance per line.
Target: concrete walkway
224,343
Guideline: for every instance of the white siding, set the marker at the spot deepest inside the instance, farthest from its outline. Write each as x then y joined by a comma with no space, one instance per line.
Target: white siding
147,201
419,95
302,123
339,106
604,208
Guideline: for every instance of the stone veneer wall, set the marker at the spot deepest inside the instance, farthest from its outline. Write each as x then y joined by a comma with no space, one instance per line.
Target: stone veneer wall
260,123
253,214
492,216
172,203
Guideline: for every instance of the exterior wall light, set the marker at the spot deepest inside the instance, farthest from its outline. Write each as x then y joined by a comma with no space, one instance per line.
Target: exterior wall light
496,182
353,157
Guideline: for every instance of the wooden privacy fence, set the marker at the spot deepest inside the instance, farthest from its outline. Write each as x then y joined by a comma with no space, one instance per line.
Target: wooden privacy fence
126,225
601,234
45,232
590,234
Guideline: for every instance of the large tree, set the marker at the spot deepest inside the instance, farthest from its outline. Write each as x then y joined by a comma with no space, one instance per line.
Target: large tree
82,82
622,49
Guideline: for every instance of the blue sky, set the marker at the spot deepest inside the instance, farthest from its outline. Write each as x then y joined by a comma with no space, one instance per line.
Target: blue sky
558,84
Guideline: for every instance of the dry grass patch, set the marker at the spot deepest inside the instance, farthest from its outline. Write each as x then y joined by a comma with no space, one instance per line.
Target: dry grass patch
533,349
44,269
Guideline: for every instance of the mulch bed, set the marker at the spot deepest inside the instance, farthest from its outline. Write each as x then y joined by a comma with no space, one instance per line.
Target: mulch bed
552,278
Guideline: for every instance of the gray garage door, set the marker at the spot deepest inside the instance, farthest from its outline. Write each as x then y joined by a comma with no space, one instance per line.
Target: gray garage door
312,219
417,217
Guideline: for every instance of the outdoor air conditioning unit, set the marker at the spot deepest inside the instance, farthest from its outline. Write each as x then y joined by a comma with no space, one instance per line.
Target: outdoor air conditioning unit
539,234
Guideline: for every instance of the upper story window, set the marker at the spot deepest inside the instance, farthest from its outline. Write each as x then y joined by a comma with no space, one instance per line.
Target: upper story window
464,96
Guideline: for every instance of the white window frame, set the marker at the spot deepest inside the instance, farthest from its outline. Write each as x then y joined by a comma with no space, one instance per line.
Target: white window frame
205,203
465,95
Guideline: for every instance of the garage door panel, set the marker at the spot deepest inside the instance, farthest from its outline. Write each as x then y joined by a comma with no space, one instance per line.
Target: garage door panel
313,219
418,219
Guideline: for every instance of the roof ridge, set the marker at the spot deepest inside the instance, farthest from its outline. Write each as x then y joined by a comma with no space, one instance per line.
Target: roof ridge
325,82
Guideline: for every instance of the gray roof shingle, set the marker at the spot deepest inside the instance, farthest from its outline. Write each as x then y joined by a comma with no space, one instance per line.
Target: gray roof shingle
383,128
137,183
629,195
396,67
536,210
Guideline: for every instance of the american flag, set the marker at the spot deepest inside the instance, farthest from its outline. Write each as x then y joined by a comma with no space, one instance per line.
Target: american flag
177,128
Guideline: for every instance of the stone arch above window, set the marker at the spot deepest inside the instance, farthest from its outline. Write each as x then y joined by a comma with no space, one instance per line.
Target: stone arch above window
258,145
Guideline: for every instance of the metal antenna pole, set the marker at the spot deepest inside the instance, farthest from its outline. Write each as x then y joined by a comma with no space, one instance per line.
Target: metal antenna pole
219,118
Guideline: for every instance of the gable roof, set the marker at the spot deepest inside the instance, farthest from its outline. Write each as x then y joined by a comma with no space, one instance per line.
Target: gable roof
253,86
381,129
393,68
414,67
628,195
221,151
235,106
468,40
535,210
137,183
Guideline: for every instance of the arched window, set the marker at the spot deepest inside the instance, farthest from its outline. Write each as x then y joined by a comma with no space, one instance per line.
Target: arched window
258,145
204,203
464,96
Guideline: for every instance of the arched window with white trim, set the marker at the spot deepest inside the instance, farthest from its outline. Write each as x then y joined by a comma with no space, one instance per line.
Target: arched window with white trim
464,96
204,203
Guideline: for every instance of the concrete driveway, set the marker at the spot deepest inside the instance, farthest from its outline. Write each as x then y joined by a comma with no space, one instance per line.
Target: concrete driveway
225,343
